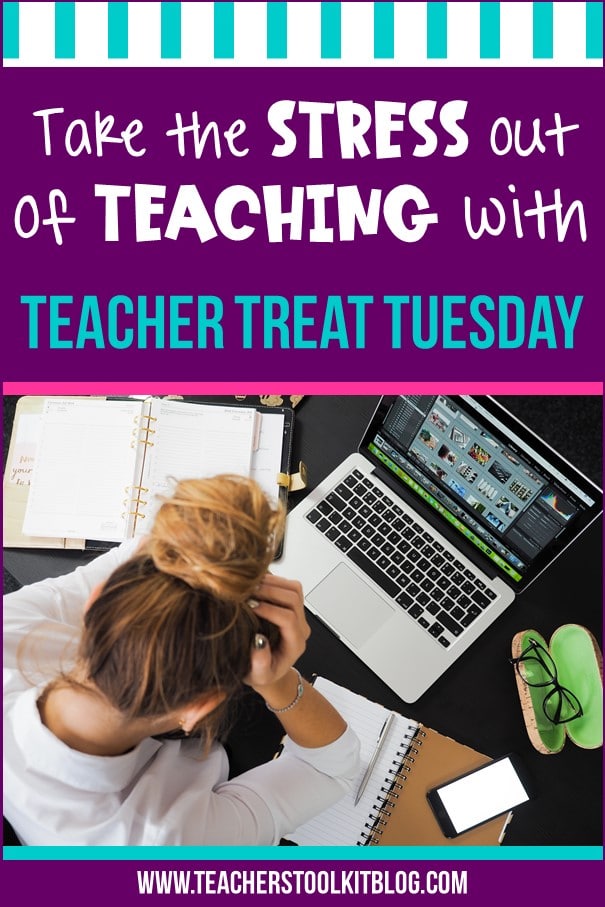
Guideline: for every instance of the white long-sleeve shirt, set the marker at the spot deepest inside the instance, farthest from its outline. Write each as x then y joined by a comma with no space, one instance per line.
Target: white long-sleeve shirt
161,792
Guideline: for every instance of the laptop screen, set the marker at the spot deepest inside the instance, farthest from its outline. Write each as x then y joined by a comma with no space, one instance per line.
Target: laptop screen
508,494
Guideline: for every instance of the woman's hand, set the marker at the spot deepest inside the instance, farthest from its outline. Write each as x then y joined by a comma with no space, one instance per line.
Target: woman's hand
307,718
280,601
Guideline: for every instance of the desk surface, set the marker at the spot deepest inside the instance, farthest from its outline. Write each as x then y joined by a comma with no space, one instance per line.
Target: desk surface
476,700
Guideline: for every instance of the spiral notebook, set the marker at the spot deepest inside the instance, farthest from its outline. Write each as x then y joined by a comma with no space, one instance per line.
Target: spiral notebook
393,809
99,467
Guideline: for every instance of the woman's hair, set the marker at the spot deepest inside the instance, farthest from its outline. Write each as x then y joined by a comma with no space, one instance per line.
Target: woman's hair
173,622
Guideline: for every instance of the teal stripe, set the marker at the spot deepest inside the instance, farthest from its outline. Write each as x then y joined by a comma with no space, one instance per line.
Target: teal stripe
10,31
543,35
489,31
330,31
594,31
292,854
117,31
171,31
277,31
224,40
384,31
436,31
65,31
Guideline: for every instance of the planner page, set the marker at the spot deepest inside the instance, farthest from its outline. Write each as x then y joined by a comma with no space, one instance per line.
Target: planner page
192,440
85,466
345,823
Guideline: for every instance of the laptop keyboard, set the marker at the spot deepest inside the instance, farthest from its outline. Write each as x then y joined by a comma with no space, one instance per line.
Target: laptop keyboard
426,579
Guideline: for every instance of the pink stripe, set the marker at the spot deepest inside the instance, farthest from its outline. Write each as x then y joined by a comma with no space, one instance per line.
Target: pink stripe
547,388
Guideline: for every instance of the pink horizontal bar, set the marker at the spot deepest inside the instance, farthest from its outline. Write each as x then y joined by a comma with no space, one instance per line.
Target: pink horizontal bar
547,388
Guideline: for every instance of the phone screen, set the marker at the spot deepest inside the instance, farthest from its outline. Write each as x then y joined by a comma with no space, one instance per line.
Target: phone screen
474,798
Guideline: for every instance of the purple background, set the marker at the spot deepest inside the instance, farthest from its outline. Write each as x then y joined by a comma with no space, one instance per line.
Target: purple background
494,883
446,260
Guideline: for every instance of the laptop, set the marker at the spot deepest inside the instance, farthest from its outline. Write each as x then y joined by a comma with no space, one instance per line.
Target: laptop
417,542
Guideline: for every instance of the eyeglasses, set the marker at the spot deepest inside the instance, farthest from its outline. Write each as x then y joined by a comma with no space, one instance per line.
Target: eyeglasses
536,668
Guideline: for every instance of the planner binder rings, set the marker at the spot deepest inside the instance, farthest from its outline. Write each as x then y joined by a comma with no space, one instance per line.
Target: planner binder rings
137,496
393,809
137,499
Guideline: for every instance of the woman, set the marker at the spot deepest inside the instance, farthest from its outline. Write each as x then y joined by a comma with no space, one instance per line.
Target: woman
168,632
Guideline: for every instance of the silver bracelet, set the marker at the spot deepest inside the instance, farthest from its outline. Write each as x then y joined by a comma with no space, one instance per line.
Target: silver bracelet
300,689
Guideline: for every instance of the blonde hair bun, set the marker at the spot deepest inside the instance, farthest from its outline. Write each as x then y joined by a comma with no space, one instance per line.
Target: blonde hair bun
218,534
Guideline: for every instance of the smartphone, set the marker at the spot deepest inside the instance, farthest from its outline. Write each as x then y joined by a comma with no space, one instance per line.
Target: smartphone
480,795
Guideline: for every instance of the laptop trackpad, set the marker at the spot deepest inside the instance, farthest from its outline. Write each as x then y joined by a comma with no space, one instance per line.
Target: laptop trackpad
349,605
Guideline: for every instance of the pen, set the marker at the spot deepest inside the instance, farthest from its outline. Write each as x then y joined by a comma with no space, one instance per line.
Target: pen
381,738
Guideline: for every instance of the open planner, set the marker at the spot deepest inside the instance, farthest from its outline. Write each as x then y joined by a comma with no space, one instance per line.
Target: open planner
393,809
97,468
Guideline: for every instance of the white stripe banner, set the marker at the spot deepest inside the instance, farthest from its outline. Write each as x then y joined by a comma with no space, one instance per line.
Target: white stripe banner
307,34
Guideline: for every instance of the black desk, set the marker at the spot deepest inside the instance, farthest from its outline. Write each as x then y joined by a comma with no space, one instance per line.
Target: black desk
476,700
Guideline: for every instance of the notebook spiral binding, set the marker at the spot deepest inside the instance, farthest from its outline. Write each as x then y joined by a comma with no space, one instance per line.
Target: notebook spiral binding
393,784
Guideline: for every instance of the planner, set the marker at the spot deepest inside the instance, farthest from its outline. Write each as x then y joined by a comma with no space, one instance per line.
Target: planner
393,809
97,468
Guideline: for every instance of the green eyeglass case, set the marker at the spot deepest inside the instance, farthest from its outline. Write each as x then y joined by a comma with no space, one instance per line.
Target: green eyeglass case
579,665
